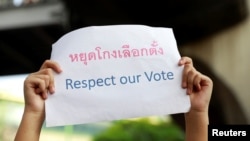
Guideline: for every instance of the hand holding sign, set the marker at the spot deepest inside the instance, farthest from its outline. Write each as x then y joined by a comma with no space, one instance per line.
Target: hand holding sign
116,72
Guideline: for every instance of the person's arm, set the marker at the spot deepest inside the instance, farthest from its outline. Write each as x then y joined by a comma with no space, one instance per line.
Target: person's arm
199,88
30,127
36,87
196,126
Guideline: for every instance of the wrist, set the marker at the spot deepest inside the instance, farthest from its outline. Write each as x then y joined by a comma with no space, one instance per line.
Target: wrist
194,116
37,115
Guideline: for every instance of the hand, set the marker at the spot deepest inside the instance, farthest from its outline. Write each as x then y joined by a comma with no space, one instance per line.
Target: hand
38,84
198,86
36,87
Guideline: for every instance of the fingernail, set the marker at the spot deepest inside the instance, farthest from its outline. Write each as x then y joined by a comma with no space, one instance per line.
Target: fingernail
189,91
52,90
184,85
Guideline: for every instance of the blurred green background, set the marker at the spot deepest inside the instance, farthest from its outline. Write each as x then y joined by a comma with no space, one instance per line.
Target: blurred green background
154,128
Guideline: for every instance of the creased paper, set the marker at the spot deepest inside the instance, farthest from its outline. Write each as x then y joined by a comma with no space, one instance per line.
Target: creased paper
115,72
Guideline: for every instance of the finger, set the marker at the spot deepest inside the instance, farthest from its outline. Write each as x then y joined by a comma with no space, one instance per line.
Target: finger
190,81
50,79
48,76
186,70
54,66
51,64
45,78
42,93
197,82
188,66
39,85
185,60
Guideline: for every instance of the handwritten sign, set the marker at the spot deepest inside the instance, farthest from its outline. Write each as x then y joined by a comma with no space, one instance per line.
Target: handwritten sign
115,72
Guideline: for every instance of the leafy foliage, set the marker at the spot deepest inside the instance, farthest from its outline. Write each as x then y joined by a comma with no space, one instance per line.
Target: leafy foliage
141,130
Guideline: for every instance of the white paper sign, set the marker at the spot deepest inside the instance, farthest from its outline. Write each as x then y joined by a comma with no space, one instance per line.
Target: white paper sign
115,72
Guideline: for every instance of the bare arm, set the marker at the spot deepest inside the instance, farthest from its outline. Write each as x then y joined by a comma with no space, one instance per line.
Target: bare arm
196,126
30,127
